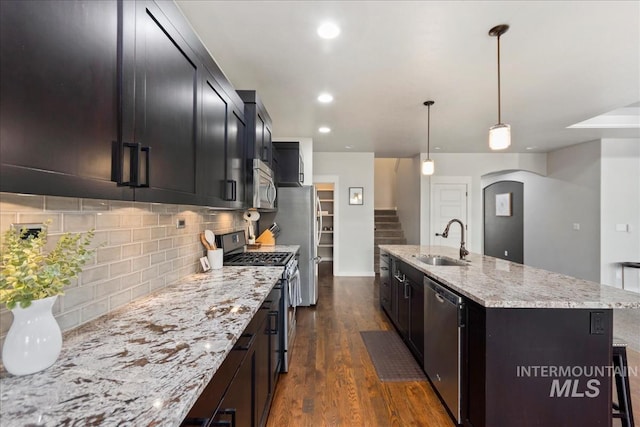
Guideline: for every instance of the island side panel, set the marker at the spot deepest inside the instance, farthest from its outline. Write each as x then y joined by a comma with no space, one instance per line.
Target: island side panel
526,353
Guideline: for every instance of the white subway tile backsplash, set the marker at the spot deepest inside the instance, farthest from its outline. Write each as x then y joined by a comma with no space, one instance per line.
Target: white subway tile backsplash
75,222
165,244
157,258
108,287
109,254
95,309
119,268
69,319
93,274
141,234
140,263
107,221
119,237
139,248
120,299
21,202
76,297
95,205
129,251
53,203
149,247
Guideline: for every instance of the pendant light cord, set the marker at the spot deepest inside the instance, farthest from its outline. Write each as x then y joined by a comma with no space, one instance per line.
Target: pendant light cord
499,96
428,129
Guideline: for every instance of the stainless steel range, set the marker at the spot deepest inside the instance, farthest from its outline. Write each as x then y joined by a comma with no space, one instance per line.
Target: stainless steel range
274,259
233,245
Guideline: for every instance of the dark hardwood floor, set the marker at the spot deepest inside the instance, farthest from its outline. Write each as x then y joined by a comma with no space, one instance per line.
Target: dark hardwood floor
331,380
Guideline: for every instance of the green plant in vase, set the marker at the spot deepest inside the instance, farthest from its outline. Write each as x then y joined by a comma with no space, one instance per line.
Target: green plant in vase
28,273
30,283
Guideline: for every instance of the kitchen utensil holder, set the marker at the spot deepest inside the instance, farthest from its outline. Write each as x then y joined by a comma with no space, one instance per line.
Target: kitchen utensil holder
215,258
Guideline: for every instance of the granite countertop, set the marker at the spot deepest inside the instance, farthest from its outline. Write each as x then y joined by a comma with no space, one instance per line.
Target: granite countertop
147,362
494,282
276,248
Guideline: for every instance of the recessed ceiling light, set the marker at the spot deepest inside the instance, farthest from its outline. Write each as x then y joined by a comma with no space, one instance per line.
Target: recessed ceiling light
436,148
531,148
324,129
325,98
348,147
328,30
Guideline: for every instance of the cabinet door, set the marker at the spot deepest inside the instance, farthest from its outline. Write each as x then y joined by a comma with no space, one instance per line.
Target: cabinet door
59,103
237,403
262,372
385,283
164,109
416,322
212,182
236,195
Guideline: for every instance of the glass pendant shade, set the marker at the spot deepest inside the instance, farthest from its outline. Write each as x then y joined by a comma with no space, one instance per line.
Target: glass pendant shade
428,167
499,136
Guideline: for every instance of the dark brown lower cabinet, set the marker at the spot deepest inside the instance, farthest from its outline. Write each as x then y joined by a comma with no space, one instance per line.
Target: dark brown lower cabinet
240,393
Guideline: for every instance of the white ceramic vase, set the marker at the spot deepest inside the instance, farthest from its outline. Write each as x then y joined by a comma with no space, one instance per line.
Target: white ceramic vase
34,340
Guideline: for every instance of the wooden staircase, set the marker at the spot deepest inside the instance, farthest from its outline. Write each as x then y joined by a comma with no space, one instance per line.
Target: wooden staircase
388,231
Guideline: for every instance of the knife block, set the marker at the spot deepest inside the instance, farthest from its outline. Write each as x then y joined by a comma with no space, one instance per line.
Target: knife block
266,238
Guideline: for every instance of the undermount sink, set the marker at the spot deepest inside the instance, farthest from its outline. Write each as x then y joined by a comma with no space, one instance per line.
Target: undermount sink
441,260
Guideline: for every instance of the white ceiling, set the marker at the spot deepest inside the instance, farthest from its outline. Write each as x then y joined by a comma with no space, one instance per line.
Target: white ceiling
563,62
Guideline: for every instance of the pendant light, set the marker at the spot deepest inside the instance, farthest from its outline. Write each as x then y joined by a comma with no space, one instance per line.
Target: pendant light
428,166
500,133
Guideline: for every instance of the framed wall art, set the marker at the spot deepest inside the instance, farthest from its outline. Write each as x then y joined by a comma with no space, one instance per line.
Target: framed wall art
355,195
503,204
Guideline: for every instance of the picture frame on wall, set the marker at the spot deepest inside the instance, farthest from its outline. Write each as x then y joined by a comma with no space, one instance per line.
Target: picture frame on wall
356,195
503,204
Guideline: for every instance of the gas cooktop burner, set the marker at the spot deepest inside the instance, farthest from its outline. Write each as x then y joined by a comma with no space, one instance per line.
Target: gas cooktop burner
259,259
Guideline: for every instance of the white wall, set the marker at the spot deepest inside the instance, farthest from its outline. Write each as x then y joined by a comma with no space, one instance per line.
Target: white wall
473,166
385,183
407,200
620,204
306,149
356,223
568,195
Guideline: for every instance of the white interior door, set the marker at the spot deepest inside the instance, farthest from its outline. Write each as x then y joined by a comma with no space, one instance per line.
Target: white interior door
448,201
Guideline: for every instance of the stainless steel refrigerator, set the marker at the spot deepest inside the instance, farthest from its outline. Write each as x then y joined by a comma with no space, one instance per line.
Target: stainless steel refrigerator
298,217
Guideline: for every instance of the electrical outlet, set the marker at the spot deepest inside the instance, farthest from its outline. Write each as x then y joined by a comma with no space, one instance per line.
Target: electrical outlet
181,223
506,253
31,229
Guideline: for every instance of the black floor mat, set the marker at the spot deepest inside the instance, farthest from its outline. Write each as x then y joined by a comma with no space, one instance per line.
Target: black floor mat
391,358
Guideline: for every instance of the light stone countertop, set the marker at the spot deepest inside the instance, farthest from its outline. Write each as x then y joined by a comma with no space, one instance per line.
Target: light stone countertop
276,248
147,362
493,282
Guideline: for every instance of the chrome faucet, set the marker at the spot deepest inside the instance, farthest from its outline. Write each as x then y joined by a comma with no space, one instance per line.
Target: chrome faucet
463,251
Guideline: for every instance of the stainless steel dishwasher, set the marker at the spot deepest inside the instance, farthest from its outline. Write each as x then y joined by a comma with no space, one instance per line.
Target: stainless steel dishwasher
443,321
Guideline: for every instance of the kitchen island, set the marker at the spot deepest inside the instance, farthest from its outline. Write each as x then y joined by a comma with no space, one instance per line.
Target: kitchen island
145,363
535,346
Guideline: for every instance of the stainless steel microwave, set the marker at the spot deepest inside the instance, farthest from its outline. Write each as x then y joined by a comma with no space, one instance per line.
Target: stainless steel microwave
264,189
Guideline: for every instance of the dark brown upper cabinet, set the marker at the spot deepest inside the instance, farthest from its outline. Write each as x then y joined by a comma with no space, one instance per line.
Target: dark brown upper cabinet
259,145
117,100
222,159
290,170
59,109
162,76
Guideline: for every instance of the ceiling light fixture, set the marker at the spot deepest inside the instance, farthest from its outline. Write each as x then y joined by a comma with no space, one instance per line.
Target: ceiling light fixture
324,129
328,30
500,133
427,166
325,98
